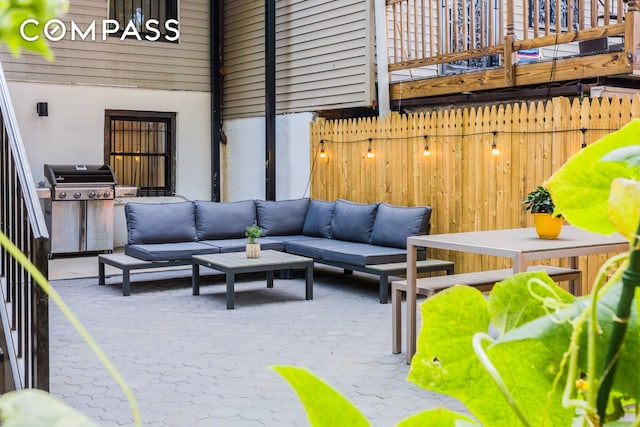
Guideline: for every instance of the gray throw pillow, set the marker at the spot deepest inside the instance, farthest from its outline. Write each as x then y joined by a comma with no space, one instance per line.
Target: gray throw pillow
394,224
283,217
226,220
318,220
353,221
160,222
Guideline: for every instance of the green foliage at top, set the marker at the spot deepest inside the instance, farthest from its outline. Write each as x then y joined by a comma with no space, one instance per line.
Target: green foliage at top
14,12
253,232
539,201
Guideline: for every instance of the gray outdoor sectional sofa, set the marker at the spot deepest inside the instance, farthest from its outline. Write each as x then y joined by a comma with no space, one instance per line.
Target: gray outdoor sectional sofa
353,236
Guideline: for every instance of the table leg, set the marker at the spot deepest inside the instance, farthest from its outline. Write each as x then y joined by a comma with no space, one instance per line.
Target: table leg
574,286
195,279
100,273
231,297
383,290
309,282
270,279
126,282
411,302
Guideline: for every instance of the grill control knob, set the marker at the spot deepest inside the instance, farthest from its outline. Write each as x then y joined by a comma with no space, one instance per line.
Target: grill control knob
77,195
106,194
99,194
62,195
92,194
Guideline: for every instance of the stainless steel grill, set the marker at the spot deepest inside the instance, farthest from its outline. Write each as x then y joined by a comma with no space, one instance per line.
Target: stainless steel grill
80,211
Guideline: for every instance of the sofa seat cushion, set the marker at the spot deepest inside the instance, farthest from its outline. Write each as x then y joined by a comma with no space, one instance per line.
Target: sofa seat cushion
362,254
393,224
238,245
224,220
312,247
160,222
283,217
353,222
169,251
318,220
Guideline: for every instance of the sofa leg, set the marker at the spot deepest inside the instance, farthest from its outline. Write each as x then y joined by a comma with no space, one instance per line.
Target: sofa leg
126,282
384,288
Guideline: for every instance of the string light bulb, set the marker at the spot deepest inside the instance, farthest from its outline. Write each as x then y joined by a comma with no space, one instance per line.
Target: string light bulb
584,142
323,155
426,151
494,147
370,153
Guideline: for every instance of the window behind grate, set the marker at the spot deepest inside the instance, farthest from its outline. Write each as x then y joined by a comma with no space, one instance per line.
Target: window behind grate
141,13
140,148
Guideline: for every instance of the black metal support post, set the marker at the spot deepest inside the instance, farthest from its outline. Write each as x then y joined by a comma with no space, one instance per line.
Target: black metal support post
270,98
216,85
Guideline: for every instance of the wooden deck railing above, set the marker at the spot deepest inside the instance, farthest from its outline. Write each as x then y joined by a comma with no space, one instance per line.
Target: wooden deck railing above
434,38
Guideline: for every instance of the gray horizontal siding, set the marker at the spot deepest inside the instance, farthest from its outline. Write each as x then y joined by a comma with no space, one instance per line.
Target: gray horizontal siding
112,62
324,56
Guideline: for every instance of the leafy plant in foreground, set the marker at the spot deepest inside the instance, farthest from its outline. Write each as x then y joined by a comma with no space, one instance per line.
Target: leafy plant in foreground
554,357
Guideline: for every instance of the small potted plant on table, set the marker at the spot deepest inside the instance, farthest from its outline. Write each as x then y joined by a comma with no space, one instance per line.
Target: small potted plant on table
539,202
253,248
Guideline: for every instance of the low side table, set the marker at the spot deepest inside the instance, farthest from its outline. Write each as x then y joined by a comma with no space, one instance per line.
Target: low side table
237,262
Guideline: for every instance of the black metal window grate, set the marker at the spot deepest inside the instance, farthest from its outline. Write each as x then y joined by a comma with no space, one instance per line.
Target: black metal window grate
140,13
140,148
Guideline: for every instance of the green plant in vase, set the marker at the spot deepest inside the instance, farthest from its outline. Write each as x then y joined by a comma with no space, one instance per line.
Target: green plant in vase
539,202
252,233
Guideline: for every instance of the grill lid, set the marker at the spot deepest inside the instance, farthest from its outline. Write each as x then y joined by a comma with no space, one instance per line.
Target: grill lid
79,174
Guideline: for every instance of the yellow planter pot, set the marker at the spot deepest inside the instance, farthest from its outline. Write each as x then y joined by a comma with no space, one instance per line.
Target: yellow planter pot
547,225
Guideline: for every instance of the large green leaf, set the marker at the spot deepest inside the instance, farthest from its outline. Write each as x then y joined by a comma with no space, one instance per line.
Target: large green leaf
624,206
580,189
511,304
35,408
445,360
556,336
437,417
324,405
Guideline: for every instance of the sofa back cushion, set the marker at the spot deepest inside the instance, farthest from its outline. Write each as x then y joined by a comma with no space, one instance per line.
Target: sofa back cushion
226,220
282,217
160,222
394,224
318,220
353,221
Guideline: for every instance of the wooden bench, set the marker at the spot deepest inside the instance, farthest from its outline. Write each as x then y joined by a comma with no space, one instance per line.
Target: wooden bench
127,263
483,280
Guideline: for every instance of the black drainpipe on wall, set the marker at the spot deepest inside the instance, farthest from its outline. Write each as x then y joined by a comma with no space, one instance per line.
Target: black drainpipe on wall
215,85
270,98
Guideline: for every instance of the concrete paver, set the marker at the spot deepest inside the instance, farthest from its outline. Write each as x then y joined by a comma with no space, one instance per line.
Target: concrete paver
191,362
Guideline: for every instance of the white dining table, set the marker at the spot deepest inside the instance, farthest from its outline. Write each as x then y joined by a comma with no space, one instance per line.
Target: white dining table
522,245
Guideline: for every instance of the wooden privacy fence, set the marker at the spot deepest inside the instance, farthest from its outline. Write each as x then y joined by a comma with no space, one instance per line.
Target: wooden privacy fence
469,188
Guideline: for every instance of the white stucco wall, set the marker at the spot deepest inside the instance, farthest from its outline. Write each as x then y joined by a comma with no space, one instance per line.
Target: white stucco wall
74,130
243,168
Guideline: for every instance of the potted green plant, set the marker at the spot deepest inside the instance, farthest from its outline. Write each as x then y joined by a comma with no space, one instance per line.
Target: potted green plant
539,202
252,233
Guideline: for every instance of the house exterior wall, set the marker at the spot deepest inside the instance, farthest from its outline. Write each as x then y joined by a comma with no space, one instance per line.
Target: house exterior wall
325,56
73,132
124,63
244,157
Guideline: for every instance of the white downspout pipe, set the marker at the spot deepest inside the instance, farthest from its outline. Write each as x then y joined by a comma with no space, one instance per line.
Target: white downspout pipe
382,60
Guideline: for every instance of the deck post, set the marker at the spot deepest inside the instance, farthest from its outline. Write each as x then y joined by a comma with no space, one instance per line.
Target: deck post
632,38
509,54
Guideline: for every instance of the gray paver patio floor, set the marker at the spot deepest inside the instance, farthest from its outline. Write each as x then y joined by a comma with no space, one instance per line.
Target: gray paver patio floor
191,362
